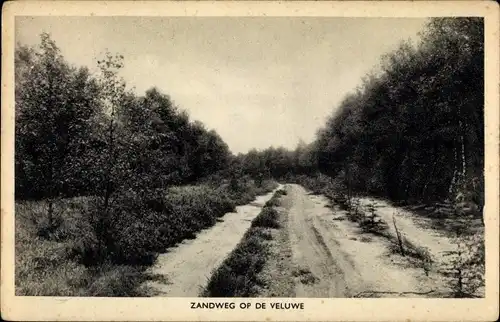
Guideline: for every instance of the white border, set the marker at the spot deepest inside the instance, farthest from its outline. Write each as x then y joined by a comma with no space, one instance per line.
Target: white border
149,309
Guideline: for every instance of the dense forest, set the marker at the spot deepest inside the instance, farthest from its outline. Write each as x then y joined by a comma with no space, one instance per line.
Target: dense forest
413,131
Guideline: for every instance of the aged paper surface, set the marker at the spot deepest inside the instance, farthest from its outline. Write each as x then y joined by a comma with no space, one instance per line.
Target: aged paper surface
317,300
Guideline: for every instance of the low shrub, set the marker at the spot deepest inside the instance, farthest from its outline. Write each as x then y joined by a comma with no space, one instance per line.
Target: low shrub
265,187
118,281
245,191
281,192
464,267
102,253
273,202
53,266
136,226
267,218
371,221
237,276
332,188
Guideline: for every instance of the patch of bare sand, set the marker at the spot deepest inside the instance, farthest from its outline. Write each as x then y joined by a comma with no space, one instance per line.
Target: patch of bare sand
435,242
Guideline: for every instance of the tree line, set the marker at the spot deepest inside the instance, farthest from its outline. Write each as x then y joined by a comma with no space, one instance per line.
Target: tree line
80,134
414,129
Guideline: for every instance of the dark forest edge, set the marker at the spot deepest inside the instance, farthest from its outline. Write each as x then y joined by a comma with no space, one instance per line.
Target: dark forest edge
106,179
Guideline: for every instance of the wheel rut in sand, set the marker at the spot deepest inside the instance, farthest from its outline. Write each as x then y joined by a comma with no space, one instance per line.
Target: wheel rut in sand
187,267
311,255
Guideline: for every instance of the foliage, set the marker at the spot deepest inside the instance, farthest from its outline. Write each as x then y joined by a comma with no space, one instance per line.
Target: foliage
237,276
143,225
79,133
48,267
413,131
465,266
371,221
85,136
267,218
417,125
55,106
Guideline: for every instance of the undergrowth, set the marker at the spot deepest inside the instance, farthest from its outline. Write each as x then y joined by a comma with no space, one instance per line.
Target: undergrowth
67,258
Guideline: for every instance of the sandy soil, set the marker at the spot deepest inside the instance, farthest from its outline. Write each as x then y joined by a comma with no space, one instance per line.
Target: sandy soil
436,243
188,266
332,257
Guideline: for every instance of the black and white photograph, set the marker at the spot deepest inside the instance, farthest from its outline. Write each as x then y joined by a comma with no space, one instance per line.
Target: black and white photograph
249,157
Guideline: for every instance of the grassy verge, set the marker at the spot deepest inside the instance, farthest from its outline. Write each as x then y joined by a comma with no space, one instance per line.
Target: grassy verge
61,262
238,275
51,267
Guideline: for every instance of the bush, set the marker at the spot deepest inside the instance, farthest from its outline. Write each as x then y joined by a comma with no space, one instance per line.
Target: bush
48,267
117,281
138,226
244,190
281,192
267,218
237,276
135,228
319,183
273,202
465,267
371,221
265,187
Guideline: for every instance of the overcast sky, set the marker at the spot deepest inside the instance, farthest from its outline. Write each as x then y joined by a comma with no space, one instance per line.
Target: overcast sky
257,81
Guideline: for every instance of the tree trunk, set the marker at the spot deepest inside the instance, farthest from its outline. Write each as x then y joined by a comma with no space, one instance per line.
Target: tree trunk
110,162
50,213
424,189
463,129
348,182
455,171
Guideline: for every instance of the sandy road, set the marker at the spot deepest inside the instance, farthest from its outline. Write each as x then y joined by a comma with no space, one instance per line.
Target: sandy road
188,266
333,258
320,263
